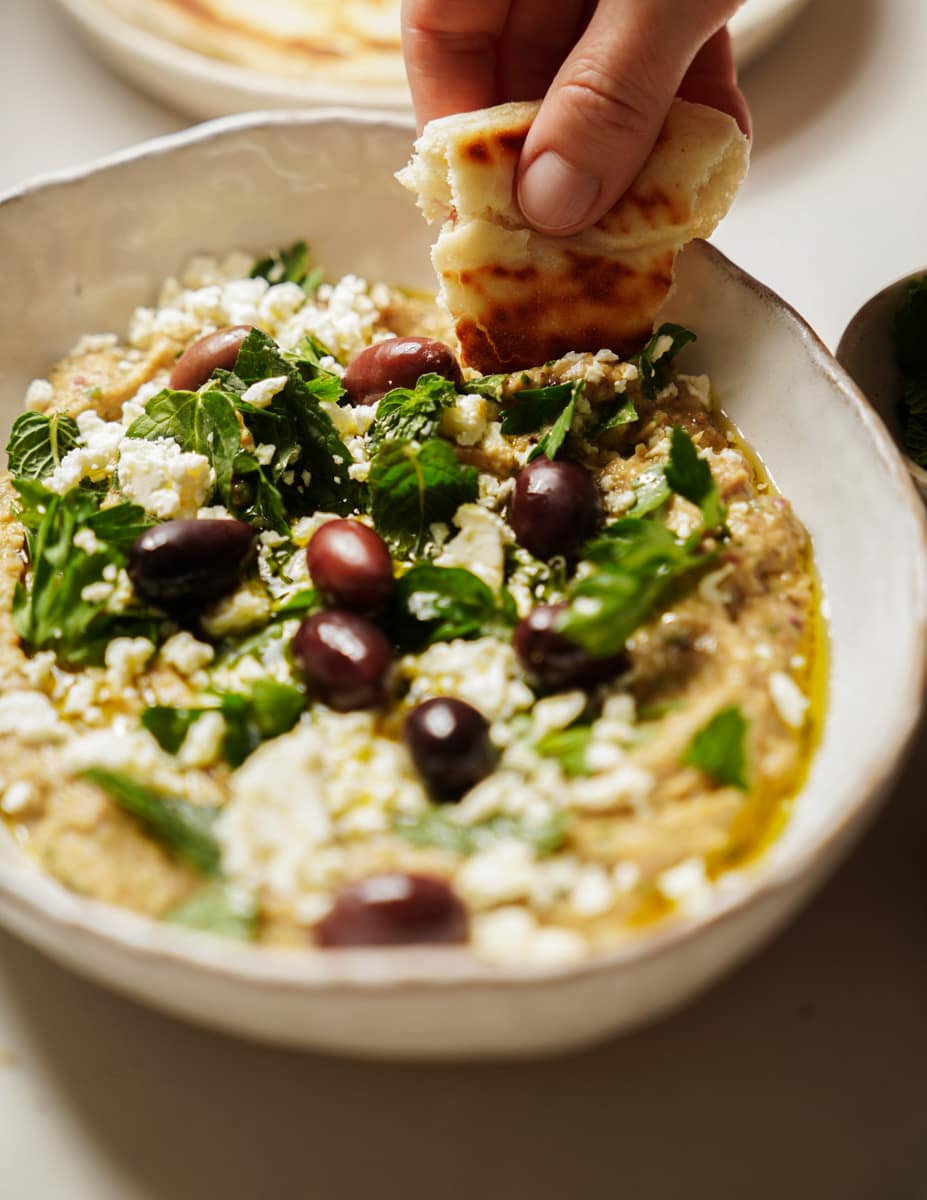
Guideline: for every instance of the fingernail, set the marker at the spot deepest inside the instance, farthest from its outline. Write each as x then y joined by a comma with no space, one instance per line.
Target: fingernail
554,195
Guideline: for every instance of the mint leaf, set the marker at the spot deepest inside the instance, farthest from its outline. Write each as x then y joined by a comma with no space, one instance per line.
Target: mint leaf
185,829
38,443
690,477
553,439
569,746
652,492
436,828
414,486
270,710
220,907
490,387
437,604
290,265
202,422
412,414
656,357
719,749
310,464
51,613
638,563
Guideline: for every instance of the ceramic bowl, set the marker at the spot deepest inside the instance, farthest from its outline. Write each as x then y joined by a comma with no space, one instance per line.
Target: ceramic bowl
80,250
867,354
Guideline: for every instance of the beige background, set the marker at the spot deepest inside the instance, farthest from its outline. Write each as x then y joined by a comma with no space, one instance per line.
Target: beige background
802,1076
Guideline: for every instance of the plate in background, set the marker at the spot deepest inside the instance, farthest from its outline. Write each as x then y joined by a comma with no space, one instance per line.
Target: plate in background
206,87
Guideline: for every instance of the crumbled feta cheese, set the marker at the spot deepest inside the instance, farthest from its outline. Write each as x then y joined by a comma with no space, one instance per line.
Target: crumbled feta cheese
494,493
95,457
511,935
626,876
39,394
501,873
484,672
185,654
165,480
202,746
246,608
627,784
698,387
87,540
215,512
687,884
93,593
594,893
790,701
31,716
465,420
264,453
305,527
126,658
478,547
260,394
18,798
709,586
557,712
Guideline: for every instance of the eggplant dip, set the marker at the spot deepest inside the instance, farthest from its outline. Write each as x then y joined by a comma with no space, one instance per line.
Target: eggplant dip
307,639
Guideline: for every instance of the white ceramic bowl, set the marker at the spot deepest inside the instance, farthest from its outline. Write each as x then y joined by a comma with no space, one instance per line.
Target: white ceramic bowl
79,251
867,353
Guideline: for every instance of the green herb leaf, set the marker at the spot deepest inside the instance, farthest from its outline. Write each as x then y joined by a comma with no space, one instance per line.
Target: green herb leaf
202,422
569,746
414,486
310,463
690,476
436,828
270,710
532,408
554,438
290,265
719,749
490,387
184,828
437,604
220,907
638,562
412,414
652,492
51,613
623,412
38,443
654,360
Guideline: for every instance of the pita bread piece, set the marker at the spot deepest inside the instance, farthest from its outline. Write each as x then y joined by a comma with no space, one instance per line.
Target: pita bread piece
518,297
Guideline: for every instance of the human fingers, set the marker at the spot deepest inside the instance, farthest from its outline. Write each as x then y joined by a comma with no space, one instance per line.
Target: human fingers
450,52
606,106
536,39
712,80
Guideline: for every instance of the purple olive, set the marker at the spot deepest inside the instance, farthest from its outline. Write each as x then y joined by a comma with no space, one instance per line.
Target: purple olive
397,362
552,661
449,743
350,565
346,659
555,507
188,564
394,910
207,354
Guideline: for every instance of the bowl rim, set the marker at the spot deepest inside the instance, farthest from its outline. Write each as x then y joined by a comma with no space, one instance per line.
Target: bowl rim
874,304
35,896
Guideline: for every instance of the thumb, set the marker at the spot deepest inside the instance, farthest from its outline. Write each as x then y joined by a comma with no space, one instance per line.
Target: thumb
605,108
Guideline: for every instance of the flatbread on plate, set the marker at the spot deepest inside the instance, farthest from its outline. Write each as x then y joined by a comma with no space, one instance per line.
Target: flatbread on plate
518,297
332,41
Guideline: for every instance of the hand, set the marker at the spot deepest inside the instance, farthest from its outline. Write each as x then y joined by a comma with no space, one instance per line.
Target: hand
610,70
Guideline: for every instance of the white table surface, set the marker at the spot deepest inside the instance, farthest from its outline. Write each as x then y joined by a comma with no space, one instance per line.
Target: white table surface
801,1076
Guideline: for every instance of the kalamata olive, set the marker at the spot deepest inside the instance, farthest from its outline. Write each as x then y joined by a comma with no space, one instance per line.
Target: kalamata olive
394,910
188,564
350,565
345,657
397,362
207,354
449,743
552,661
555,507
